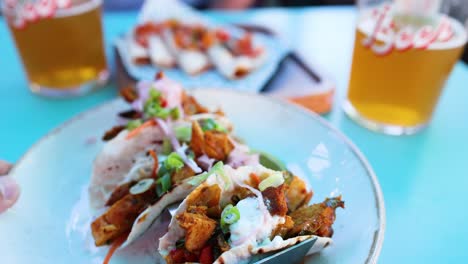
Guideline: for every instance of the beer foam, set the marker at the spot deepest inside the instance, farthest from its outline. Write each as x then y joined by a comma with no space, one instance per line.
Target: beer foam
367,24
78,9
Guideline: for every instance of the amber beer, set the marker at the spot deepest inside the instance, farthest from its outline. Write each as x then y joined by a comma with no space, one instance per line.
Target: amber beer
396,88
63,55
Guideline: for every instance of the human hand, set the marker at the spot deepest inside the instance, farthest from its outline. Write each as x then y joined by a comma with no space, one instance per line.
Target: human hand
9,189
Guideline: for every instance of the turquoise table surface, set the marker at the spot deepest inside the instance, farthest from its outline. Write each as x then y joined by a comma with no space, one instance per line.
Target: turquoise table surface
424,177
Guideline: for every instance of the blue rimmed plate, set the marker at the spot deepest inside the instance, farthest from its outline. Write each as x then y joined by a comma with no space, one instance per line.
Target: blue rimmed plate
49,224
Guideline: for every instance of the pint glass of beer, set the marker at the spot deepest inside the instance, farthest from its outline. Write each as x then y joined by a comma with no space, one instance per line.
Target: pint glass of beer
404,51
60,43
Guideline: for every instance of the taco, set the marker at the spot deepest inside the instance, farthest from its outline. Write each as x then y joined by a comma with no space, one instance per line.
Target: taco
149,36
188,44
238,213
235,57
154,160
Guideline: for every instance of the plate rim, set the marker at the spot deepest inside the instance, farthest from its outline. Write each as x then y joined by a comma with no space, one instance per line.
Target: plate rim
379,234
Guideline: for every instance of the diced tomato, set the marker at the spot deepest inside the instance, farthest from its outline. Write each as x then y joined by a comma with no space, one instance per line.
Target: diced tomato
144,31
245,43
177,255
255,52
181,255
222,35
244,46
190,257
163,102
206,255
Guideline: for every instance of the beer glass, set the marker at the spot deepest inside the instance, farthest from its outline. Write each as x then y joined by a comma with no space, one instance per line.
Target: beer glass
60,43
404,51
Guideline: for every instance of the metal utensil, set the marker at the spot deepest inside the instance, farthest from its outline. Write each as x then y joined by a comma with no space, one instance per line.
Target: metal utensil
294,254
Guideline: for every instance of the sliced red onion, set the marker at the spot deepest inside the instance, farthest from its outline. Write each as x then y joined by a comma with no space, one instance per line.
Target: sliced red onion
206,162
143,88
190,162
240,156
167,130
137,105
162,125
120,121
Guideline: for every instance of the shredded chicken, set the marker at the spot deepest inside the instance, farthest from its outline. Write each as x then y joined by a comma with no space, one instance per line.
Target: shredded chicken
191,106
182,174
218,145
275,200
316,219
119,193
297,194
119,219
199,229
207,196
214,144
283,229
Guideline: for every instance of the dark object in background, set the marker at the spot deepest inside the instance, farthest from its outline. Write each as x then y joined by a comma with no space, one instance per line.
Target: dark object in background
315,2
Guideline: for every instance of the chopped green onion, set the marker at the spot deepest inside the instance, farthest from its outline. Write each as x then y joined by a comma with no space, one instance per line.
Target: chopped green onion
220,128
154,94
151,108
163,184
166,147
174,161
163,170
211,124
197,180
208,124
274,180
132,124
141,187
175,113
183,133
218,169
155,110
163,113
229,216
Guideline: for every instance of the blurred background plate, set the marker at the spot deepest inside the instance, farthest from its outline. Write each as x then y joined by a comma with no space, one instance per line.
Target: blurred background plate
253,82
49,222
